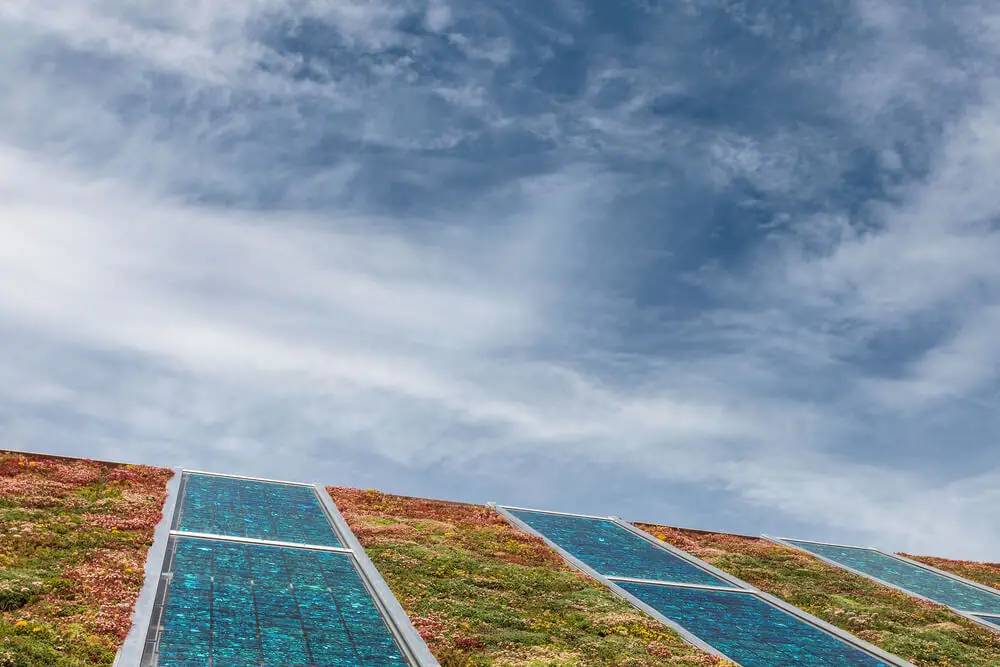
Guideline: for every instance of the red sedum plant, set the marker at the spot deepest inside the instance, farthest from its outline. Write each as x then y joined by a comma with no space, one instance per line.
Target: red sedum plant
74,535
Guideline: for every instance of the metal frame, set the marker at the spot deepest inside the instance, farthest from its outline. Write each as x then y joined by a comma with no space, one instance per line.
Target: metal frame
144,635
683,555
968,615
254,540
531,509
253,479
392,611
131,650
980,618
740,587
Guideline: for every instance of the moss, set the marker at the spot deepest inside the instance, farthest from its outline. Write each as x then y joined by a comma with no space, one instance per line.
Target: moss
483,593
924,633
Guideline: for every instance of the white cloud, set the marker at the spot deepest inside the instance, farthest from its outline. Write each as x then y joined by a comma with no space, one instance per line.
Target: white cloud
221,335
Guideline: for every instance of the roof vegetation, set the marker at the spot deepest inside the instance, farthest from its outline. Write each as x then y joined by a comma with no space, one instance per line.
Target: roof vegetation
926,634
481,592
73,541
74,535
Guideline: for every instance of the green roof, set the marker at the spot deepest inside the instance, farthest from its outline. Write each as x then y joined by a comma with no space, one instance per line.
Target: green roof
74,536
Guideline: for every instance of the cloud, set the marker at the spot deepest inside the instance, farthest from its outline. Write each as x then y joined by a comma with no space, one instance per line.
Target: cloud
293,237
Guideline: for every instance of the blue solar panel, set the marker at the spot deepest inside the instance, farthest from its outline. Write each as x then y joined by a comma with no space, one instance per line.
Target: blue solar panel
749,630
613,550
995,620
244,605
915,579
249,508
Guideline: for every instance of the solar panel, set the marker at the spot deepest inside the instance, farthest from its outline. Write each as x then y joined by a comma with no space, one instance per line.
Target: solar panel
231,604
905,575
748,629
255,509
614,551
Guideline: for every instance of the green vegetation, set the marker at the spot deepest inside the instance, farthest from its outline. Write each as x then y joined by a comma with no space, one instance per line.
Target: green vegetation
73,541
926,634
483,593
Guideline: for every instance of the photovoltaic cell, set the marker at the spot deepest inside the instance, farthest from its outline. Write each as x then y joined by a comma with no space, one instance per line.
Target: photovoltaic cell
244,605
613,550
748,629
250,508
915,579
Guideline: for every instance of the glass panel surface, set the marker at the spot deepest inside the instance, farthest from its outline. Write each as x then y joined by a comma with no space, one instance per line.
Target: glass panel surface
249,508
749,630
244,605
613,550
915,579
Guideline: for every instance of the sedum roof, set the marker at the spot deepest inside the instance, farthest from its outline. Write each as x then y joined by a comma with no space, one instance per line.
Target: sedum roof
74,536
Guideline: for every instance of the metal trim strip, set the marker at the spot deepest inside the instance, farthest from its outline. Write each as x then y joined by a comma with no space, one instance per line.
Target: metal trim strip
683,555
678,584
247,477
392,611
156,559
978,619
531,509
254,540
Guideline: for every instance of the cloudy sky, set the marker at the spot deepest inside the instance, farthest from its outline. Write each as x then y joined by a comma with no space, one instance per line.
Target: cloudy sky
729,264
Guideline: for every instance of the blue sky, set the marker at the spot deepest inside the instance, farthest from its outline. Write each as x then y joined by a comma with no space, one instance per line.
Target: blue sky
716,263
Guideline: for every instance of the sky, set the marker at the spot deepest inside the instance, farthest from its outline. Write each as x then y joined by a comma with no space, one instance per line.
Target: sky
724,264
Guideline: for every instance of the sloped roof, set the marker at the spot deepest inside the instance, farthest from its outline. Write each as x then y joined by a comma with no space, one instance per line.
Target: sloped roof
74,536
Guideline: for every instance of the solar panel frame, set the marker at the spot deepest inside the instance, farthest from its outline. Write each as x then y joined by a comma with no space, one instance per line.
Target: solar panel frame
252,515
156,560
711,569
742,587
971,616
405,636
259,590
992,619
385,600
